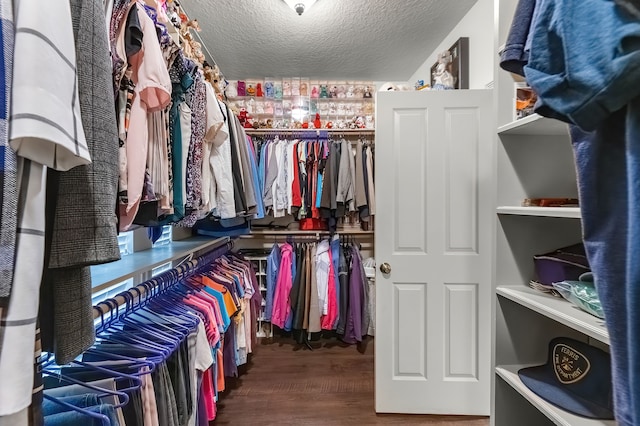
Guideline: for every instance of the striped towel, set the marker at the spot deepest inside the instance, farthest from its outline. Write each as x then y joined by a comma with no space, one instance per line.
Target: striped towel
9,194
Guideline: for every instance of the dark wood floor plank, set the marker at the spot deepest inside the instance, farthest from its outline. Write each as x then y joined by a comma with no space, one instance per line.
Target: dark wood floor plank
332,385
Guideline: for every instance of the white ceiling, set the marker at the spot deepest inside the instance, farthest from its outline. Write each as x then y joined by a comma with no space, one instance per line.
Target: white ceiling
378,40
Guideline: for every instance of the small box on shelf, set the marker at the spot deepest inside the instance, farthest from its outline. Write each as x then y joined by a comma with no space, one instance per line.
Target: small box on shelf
524,100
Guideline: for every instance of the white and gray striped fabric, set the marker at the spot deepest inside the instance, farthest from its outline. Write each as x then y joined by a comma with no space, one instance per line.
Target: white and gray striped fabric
18,321
9,194
46,131
45,110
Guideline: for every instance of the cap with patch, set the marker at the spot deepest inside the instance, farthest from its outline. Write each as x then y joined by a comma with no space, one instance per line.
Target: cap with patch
576,378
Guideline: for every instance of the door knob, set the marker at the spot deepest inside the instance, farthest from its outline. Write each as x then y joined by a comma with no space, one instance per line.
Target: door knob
385,268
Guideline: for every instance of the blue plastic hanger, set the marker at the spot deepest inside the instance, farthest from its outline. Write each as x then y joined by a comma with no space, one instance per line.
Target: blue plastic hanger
139,312
118,335
148,330
101,392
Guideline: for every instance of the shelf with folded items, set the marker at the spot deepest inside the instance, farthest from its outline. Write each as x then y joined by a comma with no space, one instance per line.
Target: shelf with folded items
556,309
534,125
568,212
509,373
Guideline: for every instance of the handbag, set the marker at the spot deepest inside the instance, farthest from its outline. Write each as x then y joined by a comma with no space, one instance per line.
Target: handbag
563,264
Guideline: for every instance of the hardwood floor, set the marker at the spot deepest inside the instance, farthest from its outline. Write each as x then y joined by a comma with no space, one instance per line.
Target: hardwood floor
284,384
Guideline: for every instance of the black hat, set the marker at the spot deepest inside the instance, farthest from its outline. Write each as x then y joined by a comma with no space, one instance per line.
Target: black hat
576,378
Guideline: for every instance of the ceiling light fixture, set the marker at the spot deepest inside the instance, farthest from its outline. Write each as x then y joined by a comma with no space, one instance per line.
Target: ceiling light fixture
300,5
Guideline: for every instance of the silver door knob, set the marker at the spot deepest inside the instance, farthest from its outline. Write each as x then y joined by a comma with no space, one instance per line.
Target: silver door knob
385,268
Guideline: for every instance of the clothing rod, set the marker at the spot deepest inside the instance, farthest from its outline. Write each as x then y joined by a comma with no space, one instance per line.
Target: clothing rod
258,231
167,278
202,43
291,236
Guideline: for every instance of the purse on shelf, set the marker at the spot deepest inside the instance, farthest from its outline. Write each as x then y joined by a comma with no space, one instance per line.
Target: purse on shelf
563,264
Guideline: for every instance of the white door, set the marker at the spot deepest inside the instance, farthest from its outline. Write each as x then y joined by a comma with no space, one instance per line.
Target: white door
434,229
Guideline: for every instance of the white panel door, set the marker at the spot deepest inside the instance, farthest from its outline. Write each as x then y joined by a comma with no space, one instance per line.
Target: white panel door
434,219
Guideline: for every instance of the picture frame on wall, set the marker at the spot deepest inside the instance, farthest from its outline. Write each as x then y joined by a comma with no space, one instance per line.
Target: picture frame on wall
451,71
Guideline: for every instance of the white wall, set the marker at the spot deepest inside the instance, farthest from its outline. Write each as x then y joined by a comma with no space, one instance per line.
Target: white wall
478,25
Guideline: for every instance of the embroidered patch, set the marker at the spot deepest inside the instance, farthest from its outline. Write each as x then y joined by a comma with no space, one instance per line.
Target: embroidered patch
570,365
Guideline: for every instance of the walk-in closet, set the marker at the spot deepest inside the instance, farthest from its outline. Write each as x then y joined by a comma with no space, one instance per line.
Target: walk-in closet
319,212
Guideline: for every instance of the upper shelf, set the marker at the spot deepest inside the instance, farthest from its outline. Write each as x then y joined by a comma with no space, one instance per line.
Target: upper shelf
534,125
317,131
296,97
570,212
132,265
557,309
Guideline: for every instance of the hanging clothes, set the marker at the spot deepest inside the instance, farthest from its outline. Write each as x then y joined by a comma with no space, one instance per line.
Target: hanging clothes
84,228
315,292
152,93
281,305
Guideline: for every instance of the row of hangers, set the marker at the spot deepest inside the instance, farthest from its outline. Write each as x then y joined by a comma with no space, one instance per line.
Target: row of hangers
147,328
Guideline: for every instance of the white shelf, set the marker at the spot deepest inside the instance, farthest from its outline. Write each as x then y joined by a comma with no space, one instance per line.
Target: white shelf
317,131
534,125
559,416
570,212
557,309
135,264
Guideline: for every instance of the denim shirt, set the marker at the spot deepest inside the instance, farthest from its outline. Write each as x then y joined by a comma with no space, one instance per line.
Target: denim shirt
273,264
583,73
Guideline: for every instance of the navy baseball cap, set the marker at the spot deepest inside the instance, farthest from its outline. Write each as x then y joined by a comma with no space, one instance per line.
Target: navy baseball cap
576,378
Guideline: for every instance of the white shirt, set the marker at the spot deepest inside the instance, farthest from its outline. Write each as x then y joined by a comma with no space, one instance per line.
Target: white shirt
292,156
322,276
220,161
45,109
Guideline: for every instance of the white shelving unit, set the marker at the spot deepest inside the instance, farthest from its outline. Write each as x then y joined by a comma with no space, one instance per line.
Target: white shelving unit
264,328
534,159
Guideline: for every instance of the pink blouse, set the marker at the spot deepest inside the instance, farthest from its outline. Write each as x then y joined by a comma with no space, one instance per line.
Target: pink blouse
281,304
152,93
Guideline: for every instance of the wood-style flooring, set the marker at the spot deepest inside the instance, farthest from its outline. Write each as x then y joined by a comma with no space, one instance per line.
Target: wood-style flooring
284,384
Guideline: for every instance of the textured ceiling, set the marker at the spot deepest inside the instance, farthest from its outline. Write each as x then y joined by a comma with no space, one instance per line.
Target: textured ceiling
335,39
